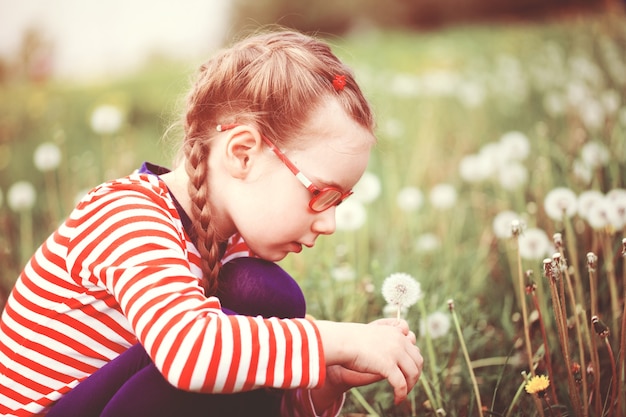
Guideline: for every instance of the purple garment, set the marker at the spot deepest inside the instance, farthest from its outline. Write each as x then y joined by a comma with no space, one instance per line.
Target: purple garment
131,385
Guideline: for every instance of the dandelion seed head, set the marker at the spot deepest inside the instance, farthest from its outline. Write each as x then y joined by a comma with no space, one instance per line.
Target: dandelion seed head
106,119
47,157
368,188
475,168
586,200
582,171
409,199
443,196
502,224
560,202
512,176
401,290
391,311
600,214
595,154
435,325
343,273
21,196
514,145
427,242
534,244
350,215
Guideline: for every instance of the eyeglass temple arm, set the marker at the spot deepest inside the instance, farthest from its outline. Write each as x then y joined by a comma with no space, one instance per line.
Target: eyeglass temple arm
299,175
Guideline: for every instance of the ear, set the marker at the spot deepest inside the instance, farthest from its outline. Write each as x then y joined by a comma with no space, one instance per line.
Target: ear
243,146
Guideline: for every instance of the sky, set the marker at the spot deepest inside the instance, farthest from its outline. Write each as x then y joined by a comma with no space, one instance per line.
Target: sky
96,38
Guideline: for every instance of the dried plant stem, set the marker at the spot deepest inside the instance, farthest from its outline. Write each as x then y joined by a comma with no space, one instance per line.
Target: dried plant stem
621,369
561,321
457,326
579,337
546,347
614,387
611,278
595,360
522,299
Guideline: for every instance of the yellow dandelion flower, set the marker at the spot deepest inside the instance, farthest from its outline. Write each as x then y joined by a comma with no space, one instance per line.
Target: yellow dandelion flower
538,384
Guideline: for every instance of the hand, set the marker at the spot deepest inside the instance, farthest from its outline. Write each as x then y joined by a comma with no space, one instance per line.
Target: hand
384,349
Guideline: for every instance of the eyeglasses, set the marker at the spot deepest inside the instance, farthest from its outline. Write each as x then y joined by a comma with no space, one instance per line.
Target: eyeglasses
323,198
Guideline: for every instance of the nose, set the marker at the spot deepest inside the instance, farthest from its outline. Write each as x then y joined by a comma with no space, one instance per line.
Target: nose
324,222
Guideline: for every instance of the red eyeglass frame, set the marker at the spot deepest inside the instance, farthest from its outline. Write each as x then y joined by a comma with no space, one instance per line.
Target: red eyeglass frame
337,196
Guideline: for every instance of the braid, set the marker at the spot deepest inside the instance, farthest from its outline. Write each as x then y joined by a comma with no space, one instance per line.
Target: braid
273,81
208,244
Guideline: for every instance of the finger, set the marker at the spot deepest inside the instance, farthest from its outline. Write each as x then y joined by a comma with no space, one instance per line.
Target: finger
398,382
412,337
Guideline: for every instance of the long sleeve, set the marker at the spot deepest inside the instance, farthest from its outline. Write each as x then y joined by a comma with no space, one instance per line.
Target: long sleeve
120,270
141,258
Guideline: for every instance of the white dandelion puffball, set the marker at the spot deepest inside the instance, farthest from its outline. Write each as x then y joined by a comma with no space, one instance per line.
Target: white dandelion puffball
514,146
401,290
47,157
604,213
512,175
560,202
586,200
475,168
435,325
534,244
106,119
410,199
350,215
391,311
21,196
367,189
443,196
343,273
595,154
502,224
427,242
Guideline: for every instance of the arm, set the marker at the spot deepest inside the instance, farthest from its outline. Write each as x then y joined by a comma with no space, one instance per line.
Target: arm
126,240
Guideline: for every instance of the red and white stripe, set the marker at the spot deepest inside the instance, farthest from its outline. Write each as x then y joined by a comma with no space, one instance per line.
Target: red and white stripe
121,269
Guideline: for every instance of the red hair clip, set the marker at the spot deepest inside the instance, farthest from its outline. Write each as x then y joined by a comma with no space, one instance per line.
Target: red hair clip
339,82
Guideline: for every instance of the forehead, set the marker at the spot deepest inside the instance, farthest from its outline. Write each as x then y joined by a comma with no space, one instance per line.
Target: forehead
333,147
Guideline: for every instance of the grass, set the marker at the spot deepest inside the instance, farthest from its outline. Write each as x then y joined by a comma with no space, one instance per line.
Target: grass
439,97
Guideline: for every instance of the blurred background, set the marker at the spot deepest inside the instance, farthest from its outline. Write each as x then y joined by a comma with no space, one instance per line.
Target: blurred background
484,108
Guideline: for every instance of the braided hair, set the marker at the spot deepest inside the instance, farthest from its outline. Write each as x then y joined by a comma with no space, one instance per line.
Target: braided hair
272,81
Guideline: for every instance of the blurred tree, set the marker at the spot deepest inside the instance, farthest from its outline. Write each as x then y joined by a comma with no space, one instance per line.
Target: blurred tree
340,17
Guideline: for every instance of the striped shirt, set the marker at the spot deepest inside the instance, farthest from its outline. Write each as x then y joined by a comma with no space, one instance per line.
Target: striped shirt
121,270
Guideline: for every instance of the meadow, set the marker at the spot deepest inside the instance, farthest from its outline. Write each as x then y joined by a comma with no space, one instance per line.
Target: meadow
497,184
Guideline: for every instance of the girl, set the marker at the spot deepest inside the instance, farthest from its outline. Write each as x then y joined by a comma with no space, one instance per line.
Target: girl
123,297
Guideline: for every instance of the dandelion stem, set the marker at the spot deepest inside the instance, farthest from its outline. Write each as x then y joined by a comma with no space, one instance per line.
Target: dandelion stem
579,337
595,359
522,300
432,362
361,400
546,346
610,271
613,396
467,357
553,274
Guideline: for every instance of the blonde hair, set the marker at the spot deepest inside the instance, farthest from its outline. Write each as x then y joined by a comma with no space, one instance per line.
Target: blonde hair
273,81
